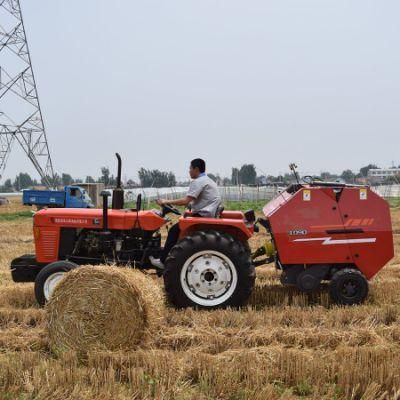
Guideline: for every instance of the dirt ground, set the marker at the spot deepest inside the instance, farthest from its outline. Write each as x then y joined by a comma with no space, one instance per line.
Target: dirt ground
284,345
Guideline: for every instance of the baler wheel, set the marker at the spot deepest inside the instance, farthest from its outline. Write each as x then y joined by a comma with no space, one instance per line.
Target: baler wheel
210,270
348,286
48,278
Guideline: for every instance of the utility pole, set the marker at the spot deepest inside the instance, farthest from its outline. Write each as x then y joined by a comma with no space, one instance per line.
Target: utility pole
20,113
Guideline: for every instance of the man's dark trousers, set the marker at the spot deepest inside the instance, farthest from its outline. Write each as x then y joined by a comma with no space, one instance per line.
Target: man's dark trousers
172,239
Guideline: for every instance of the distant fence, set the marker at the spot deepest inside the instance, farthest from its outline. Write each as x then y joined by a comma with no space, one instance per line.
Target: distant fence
387,191
238,193
228,193
248,193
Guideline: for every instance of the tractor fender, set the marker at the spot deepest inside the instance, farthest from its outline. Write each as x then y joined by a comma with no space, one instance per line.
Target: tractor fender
236,229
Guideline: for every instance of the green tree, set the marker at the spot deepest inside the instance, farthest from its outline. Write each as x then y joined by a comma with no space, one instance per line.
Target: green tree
22,181
66,179
145,177
156,178
54,182
262,180
7,187
348,176
89,179
171,179
226,182
235,177
248,174
273,179
105,176
112,181
287,178
364,170
327,176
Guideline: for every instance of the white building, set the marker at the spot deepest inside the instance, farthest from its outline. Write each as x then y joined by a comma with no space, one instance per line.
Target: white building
379,175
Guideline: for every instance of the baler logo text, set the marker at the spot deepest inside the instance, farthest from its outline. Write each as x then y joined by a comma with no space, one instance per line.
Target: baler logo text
298,232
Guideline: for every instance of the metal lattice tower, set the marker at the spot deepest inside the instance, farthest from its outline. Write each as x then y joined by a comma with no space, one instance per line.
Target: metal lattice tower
24,121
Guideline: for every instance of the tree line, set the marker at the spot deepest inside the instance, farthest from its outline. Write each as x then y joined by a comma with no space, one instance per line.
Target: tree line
245,175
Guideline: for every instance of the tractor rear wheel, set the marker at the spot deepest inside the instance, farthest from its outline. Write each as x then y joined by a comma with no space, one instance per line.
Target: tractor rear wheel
210,270
348,286
49,277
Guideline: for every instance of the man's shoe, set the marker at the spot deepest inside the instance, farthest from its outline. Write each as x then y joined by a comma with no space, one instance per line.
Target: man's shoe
156,262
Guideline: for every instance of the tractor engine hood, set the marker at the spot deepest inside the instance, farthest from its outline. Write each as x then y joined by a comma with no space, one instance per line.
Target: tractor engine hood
93,219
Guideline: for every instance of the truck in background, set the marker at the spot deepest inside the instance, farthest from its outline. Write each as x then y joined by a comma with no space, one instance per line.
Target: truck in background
70,197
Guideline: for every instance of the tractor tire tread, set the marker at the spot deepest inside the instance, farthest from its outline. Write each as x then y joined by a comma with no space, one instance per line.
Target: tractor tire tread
221,242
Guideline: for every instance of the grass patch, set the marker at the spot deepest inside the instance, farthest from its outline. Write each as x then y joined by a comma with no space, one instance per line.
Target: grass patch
15,215
302,389
394,202
245,205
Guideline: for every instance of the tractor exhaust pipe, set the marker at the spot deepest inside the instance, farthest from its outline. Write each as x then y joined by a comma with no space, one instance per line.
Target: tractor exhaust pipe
104,194
118,192
119,171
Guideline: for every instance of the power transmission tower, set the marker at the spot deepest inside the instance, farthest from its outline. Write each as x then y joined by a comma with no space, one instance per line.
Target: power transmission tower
20,113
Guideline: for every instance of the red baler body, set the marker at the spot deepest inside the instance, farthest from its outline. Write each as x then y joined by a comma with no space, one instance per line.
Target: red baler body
328,225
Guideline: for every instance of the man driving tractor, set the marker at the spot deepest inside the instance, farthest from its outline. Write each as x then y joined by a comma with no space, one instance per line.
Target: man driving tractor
202,196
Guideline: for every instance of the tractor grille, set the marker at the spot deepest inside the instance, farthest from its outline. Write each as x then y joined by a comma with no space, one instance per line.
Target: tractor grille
49,244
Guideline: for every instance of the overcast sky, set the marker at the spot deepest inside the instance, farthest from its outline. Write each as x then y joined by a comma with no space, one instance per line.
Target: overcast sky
268,82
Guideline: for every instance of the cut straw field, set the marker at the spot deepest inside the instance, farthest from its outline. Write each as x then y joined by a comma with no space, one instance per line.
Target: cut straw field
284,345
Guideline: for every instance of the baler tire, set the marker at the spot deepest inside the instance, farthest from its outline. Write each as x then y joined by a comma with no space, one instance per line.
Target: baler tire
339,279
45,273
201,242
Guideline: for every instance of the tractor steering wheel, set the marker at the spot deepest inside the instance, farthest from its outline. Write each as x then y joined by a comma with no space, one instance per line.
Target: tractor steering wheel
168,208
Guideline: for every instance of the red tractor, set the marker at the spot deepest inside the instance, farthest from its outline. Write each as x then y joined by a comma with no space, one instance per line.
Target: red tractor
319,232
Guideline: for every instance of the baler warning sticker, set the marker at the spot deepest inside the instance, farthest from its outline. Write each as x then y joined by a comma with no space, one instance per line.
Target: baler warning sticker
363,194
307,195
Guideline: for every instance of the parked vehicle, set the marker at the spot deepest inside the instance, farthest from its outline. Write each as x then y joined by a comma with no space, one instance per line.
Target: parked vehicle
70,197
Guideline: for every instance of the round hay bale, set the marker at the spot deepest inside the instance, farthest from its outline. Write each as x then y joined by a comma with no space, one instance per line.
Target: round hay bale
104,308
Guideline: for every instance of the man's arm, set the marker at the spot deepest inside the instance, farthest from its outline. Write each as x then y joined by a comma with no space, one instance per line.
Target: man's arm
184,201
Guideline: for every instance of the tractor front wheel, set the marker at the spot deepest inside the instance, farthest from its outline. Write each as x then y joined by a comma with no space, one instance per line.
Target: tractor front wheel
49,277
348,286
209,270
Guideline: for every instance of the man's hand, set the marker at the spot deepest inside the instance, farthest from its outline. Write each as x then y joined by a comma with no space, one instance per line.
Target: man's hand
184,201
